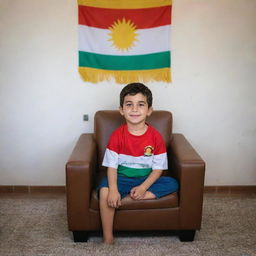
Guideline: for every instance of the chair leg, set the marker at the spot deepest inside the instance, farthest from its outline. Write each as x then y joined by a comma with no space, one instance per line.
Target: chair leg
80,236
187,235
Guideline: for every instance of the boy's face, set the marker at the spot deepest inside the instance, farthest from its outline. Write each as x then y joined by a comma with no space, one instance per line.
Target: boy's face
135,108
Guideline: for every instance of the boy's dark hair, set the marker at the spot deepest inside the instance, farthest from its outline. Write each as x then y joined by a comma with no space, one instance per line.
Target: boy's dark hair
135,88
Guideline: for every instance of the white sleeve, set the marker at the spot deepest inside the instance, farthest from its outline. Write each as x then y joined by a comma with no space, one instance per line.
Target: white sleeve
110,159
160,162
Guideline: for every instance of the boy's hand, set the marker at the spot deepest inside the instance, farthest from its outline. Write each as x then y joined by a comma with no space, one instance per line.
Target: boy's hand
138,193
114,199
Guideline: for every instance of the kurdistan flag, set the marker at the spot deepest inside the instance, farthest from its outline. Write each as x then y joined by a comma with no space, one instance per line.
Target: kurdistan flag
125,39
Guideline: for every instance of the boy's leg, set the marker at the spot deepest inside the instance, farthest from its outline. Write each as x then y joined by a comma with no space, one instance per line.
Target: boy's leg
131,183
163,186
107,216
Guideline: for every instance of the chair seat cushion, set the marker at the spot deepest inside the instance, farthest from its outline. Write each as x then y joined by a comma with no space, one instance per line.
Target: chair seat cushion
169,201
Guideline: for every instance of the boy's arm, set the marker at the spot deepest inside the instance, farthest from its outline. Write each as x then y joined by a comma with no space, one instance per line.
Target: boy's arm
114,198
154,175
139,192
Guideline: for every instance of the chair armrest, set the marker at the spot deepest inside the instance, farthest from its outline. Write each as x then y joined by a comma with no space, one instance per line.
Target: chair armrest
79,180
189,169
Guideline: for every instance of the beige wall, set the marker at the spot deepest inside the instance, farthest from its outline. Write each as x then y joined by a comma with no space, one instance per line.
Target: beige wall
43,99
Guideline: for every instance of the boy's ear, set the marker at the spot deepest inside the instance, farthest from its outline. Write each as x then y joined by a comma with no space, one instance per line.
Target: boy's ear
121,110
150,110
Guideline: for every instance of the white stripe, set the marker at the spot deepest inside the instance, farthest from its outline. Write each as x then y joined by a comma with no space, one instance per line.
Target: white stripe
150,40
156,162
136,161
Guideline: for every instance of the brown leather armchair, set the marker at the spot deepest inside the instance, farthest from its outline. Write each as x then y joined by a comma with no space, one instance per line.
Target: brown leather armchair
181,211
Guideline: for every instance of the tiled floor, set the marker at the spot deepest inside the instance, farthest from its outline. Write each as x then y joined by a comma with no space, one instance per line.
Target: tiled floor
35,224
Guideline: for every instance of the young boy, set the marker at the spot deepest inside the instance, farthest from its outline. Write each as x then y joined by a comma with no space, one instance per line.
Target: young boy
135,157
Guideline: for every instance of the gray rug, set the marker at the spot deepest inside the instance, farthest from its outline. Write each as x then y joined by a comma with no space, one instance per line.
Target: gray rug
35,224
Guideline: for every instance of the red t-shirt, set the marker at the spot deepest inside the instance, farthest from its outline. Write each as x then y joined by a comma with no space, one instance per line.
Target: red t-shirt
135,156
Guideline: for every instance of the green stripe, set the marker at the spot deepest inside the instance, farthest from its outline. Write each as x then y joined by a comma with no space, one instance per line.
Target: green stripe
135,62
133,172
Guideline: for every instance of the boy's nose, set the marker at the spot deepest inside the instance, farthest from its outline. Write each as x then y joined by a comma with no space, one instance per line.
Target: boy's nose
135,108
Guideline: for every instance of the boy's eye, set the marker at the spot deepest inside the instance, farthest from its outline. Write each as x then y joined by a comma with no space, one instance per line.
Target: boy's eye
141,104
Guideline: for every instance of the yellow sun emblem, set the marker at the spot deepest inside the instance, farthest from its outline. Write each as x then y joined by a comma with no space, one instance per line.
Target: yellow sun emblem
123,34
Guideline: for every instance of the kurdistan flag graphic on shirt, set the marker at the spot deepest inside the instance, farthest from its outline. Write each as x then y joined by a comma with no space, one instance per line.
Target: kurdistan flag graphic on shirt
125,39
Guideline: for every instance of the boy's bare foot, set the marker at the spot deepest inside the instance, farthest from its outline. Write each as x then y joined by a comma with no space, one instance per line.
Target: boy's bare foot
108,241
127,199
149,195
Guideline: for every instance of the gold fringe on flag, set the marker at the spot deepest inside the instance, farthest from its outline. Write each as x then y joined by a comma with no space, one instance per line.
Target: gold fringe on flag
94,75
131,4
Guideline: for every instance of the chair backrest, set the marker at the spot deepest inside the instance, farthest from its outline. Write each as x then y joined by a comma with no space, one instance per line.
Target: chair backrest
106,121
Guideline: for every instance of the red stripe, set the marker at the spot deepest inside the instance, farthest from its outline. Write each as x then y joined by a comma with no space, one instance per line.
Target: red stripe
142,18
122,142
